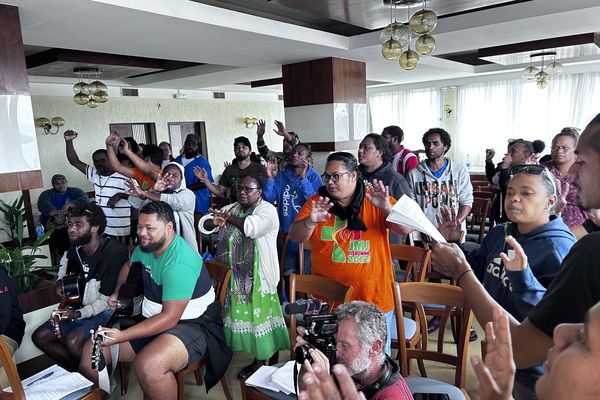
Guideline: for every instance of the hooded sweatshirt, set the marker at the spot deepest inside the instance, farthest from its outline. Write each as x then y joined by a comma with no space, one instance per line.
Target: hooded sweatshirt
519,291
291,192
385,173
453,189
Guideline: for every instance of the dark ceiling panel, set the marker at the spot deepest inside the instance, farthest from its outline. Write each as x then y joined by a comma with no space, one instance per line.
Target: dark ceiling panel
347,17
61,62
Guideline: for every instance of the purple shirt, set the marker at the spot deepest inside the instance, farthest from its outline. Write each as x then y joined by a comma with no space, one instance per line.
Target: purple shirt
571,214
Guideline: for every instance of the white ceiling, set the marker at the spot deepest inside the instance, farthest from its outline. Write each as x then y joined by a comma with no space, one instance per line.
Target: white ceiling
242,48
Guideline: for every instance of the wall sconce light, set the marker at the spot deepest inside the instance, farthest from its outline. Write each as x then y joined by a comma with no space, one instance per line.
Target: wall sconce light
250,122
47,124
447,110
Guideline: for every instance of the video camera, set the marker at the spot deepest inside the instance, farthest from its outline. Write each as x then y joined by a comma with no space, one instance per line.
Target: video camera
319,332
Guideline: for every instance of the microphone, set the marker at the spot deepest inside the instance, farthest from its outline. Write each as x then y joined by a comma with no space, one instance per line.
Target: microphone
306,307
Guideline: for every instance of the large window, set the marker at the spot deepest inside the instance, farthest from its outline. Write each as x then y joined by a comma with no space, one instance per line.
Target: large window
414,111
488,114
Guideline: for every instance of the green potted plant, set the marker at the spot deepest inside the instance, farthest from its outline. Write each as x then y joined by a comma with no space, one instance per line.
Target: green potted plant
18,257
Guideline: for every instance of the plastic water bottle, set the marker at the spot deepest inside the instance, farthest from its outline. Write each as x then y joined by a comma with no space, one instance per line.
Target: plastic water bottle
468,162
39,230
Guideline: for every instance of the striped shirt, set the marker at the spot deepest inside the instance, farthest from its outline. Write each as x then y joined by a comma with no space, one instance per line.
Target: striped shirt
117,218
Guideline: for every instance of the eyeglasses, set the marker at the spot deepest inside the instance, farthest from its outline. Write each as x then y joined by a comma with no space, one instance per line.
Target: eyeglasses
79,212
335,177
535,169
246,189
555,149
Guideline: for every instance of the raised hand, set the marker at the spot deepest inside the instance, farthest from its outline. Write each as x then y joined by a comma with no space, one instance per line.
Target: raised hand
70,135
220,217
319,211
260,128
380,196
280,128
226,164
489,154
271,169
561,198
519,261
201,174
448,259
112,138
124,146
163,183
448,224
320,385
496,375
136,190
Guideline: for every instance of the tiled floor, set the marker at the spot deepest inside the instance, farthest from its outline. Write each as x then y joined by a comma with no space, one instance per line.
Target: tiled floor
240,359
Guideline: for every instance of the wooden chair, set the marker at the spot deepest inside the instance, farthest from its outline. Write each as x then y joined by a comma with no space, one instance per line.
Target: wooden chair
282,241
319,286
220,274
491,195
477,219
452,297
417,260
15,380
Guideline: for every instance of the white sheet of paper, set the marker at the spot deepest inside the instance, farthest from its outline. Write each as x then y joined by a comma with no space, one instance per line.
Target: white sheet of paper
407,212
262,378
53,383
284,378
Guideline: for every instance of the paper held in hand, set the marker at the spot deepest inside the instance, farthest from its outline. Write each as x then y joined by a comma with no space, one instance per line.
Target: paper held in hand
407,212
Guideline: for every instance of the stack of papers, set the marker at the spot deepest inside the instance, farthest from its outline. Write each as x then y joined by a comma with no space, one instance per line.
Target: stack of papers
53,383
407,212
273,378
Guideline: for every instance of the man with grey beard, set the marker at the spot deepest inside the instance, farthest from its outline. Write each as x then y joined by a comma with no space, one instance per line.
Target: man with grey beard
361,336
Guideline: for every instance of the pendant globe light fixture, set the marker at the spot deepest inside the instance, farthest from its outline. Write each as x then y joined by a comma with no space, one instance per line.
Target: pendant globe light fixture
92,92
542,75
421,23
394,37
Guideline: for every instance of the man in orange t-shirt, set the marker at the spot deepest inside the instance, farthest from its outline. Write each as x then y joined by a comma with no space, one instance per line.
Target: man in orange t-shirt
346,226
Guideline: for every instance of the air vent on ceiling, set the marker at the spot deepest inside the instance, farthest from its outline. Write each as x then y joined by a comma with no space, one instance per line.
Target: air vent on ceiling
127,92
218,95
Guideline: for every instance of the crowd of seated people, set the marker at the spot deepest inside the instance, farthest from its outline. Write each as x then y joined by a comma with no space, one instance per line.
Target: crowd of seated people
527,278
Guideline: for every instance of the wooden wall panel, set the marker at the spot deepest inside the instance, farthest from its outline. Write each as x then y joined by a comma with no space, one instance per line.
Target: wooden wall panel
324,81
16,181
13,79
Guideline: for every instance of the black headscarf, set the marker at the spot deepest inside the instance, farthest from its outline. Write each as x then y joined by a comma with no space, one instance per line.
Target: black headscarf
350,212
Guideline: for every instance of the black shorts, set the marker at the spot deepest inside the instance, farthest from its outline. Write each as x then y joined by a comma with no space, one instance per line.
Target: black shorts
190,334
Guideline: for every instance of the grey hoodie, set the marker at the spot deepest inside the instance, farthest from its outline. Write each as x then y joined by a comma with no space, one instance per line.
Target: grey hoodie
453,188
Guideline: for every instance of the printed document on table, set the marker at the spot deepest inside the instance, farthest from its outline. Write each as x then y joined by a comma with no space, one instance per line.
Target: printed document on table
407,212
53,383
273,378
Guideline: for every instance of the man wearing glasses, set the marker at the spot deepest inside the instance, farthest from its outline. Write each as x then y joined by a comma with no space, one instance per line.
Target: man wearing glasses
97,260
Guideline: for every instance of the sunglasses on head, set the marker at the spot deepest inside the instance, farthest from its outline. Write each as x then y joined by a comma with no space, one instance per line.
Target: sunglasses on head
534,169
79,212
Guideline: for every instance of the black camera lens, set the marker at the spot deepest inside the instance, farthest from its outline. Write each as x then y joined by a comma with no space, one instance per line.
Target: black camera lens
302,354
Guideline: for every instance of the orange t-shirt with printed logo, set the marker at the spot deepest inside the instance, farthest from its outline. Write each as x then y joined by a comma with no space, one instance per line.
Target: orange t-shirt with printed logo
356,258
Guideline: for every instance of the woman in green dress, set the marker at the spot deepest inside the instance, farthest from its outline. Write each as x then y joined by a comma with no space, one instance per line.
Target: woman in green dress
246,241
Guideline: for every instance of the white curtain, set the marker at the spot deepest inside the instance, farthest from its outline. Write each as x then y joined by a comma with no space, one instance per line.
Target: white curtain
491,113
415,111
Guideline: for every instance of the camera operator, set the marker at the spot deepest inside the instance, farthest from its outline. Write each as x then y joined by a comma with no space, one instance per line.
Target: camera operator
361,335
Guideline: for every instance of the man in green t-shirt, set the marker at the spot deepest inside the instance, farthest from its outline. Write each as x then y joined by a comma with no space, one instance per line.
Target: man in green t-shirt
182,319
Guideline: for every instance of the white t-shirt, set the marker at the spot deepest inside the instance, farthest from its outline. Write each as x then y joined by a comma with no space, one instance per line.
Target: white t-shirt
117,218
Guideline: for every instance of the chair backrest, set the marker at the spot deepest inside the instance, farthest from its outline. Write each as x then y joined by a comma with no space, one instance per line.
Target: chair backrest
484,194
11,373
480,210
419,293
478,178
220,274
417,260
317,286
